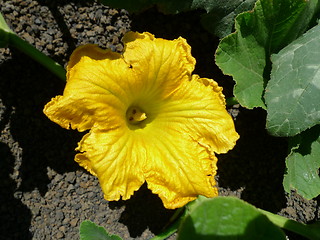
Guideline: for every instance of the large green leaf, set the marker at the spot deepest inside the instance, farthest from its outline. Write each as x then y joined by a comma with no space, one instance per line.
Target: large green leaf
91,231
227,218
293,92
303,164
245,54
218,19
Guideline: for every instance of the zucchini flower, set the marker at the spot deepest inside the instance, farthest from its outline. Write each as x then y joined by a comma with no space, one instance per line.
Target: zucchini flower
148,119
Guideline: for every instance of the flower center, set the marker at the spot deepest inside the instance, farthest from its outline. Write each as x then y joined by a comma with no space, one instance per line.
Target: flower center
135,115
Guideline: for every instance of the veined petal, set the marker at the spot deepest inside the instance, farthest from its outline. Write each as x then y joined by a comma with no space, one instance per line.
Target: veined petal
96,90
179,169
162,64
198,107
114,159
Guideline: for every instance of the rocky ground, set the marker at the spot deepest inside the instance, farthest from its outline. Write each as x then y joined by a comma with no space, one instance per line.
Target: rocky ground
44,194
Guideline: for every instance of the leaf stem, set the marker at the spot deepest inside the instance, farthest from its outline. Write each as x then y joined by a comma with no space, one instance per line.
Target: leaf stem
231,101
176,219
169,231
40,57
7,36
310,231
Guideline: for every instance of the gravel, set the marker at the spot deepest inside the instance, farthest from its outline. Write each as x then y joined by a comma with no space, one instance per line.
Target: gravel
44,194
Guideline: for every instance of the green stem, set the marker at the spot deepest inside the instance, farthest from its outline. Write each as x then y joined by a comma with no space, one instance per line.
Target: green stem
169,231
309,231
34,53
231,101
3,25
7,36
174,224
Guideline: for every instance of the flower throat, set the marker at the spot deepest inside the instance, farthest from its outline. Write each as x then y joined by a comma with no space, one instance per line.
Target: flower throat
135,115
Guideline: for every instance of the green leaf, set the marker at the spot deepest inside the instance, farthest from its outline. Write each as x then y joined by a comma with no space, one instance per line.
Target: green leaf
303,164
218,19
227,218
91,231
245,54
292,94
5,32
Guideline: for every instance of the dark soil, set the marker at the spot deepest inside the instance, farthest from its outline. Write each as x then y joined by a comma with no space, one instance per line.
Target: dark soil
44,194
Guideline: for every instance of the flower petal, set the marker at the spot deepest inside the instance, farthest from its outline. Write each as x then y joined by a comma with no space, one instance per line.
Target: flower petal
160,64
198,107
179,168
191,125
94,86
110,156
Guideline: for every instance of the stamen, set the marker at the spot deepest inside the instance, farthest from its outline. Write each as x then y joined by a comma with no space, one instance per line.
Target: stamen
135,115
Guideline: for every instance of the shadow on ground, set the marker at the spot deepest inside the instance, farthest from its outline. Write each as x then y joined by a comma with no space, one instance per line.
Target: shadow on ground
14,216
25,88
257,163
143,210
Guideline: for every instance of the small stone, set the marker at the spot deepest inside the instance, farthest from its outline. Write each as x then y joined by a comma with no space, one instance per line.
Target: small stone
98,13
66,221
115,40
105,20
92,195
35,211
60,235
91,33
110,28
77,206
70,177
70,188
98,29
61,204
113,11
123,12
63,229
59,216
85,206
83,184
58,178
18,195
28,38
79,27
51,31
37,21
74,222
50,48
15,13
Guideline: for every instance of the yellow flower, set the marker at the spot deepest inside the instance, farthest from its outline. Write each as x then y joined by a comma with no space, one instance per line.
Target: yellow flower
150,119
